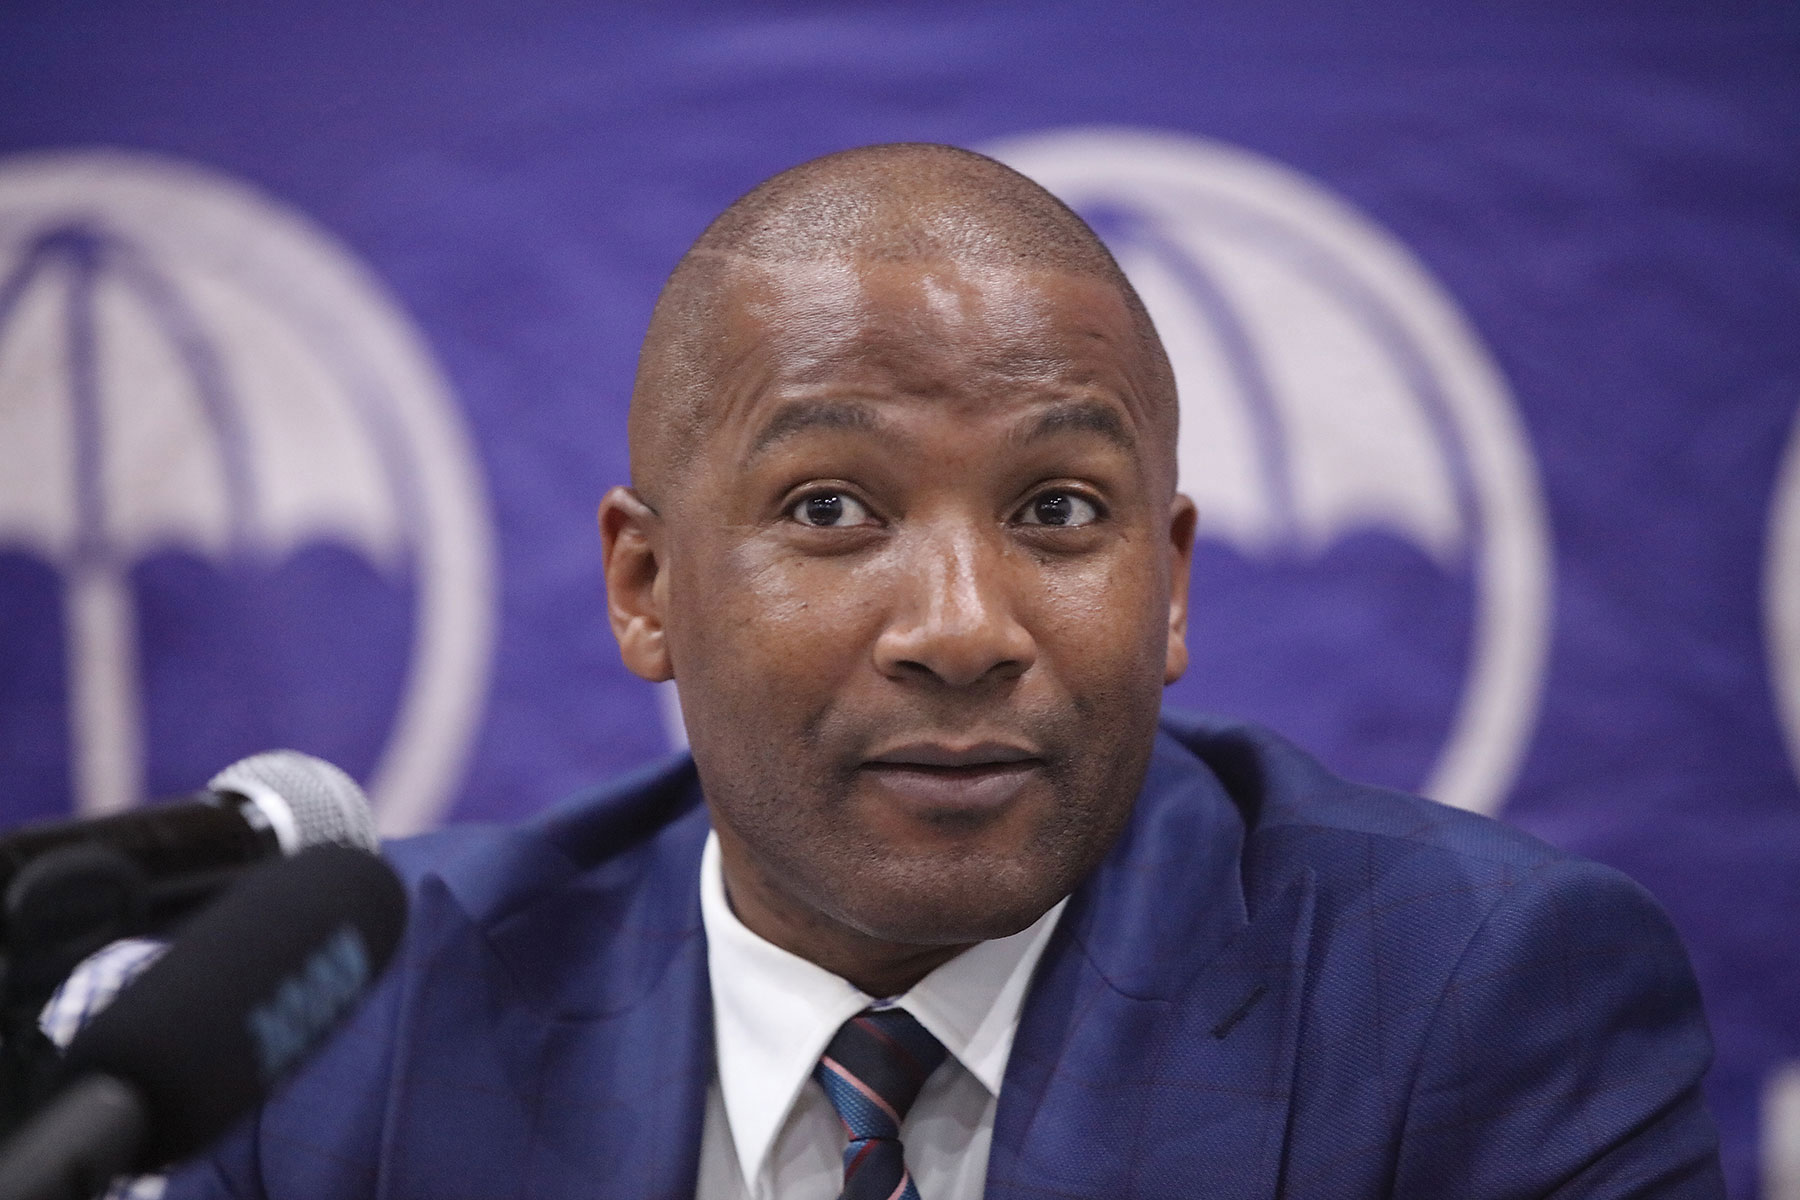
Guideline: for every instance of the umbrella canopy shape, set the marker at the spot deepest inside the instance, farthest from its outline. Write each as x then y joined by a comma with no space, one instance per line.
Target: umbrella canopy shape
185,364
1327,385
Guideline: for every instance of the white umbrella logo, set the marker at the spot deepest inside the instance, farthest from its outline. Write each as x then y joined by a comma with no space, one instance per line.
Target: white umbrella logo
185,363
1781,600
1327,385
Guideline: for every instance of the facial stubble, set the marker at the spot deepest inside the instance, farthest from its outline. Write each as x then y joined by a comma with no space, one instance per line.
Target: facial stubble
800,815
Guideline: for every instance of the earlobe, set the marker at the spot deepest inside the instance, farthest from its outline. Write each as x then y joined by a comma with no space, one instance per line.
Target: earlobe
1182,519
630,550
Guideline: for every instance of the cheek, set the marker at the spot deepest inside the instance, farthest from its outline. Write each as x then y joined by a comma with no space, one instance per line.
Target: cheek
825,604
776,628
1110,614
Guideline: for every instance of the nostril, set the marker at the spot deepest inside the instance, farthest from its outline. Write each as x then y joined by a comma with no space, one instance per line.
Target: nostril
957,657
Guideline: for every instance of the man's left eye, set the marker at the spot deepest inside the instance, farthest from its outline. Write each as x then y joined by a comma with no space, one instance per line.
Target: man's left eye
830,510
1059,508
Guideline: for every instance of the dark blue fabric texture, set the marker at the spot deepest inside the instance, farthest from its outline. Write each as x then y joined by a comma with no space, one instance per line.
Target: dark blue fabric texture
1278,984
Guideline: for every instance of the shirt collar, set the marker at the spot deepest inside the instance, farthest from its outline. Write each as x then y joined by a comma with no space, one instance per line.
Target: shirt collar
774,1012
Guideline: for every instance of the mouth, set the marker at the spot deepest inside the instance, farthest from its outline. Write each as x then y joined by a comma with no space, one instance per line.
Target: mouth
940,780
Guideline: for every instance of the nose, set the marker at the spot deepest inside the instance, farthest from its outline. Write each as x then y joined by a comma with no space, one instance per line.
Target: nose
955,618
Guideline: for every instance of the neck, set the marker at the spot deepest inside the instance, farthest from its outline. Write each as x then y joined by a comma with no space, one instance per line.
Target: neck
895,975
873,965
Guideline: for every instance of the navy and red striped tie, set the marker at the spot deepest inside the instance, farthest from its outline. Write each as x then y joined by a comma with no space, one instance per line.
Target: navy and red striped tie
872,1071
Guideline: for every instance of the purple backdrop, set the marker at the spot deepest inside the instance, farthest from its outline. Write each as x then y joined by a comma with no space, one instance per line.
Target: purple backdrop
309,386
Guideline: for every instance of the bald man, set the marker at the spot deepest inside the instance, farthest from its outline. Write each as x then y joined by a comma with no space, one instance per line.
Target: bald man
936,908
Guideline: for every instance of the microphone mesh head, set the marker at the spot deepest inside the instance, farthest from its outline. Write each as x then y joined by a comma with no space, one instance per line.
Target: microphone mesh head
327,805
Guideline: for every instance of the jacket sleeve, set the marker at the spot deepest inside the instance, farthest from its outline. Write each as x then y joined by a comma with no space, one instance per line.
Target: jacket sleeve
225,1172
1566,1054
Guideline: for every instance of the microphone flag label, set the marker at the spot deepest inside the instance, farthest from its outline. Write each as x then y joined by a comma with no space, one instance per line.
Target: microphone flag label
309,1002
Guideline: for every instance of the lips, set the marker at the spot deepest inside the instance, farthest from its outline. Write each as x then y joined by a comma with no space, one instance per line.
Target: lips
947,779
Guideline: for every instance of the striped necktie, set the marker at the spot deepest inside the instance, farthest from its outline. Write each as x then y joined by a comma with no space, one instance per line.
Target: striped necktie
872,1071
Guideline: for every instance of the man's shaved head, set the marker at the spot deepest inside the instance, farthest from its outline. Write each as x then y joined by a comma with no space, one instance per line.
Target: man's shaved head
906,203
905,531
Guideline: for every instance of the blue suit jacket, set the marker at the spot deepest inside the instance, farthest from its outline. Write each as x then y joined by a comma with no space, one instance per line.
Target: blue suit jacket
1277,984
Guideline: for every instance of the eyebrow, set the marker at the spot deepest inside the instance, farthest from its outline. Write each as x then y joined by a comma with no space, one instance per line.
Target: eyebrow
801,415
1084,416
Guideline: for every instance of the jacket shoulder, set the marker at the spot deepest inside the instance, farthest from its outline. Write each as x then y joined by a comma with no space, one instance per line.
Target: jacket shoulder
1470,987
492,867
1298,814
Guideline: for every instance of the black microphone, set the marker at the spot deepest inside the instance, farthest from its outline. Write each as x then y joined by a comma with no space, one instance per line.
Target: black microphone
253,985
137,871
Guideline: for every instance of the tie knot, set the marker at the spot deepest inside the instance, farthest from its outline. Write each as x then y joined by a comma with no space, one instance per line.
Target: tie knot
874,1068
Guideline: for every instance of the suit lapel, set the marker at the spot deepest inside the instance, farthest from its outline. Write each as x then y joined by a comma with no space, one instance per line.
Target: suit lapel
1155,1053
561,1046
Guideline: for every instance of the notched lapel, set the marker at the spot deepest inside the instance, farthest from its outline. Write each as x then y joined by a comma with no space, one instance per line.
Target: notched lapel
1156,1052
1175,1095
506,1087
1218,1123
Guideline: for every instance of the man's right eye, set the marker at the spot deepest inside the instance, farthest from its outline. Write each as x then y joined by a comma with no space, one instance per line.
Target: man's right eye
830,510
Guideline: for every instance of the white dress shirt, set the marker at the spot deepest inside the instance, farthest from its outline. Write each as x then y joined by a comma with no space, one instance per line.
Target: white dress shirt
770,1132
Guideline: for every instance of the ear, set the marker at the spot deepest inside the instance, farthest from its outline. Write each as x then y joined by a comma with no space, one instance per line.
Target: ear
1182,519
636,583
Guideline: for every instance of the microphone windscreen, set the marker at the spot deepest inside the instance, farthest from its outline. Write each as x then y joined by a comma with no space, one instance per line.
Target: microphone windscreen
322,802
250,988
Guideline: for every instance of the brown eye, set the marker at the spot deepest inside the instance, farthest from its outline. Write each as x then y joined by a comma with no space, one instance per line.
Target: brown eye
1060,508
829,510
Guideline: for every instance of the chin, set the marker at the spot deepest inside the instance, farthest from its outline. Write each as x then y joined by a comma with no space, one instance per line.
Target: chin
949,911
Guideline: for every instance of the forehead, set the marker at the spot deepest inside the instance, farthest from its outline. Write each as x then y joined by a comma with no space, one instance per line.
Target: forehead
972,334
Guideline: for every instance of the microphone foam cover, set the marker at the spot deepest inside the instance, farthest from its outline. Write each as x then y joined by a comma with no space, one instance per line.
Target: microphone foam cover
326,804
251,987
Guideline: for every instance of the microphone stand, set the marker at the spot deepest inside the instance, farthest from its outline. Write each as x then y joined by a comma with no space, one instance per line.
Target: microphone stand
57,909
